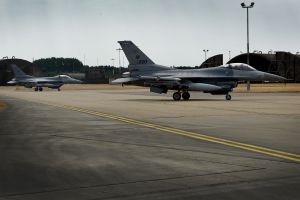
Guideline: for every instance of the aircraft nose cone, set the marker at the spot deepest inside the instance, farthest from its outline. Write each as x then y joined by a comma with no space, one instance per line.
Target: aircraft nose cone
73,81
273,77
78,81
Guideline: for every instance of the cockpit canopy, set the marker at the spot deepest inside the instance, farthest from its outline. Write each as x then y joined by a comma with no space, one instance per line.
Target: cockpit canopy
239,66
63,76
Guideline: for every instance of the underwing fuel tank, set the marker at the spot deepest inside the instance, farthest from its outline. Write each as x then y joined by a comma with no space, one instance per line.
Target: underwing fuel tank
202,87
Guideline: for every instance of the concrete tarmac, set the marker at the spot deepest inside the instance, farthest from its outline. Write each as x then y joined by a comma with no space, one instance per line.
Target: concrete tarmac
48,152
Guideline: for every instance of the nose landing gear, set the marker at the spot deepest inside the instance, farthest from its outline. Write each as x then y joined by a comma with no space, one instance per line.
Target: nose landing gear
38,89
228,97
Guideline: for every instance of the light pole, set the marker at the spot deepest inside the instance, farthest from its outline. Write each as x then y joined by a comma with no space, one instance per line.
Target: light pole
229,55
247,7
205,52
123,61
113,62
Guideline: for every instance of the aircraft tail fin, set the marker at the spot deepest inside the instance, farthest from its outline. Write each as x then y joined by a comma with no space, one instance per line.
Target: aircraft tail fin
18,72
133,54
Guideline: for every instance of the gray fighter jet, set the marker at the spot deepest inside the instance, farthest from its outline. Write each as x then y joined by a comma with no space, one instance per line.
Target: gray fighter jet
215,80
38,83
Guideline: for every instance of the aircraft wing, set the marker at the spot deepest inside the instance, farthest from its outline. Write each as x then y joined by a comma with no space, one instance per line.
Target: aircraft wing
27,83
124,80
145,78
159,78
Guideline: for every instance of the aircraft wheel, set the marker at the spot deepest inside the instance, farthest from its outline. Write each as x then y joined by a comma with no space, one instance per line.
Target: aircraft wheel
58,89
36,89
176,96
186,95
228,97
40,89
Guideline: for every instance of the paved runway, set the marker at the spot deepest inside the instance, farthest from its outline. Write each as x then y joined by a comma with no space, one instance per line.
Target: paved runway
50,152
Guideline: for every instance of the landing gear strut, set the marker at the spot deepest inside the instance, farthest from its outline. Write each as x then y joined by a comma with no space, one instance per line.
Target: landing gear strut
228,97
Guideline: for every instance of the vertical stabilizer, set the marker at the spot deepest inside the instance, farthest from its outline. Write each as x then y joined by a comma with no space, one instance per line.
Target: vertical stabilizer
18,72
134,55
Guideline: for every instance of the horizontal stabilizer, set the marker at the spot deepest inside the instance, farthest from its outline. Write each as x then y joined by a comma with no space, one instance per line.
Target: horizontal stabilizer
11,83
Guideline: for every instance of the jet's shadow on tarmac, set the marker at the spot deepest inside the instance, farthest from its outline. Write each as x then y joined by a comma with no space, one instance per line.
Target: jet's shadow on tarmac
171,100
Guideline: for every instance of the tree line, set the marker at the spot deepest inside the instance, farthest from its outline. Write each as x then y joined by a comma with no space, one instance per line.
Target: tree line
53,66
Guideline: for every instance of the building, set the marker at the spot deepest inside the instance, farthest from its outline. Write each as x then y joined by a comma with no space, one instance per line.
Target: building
213,61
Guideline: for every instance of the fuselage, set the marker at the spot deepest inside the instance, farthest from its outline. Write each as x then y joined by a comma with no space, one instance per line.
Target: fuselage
50,82
225,76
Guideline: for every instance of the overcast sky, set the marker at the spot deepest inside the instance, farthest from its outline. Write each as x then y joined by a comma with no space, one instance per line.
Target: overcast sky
170,32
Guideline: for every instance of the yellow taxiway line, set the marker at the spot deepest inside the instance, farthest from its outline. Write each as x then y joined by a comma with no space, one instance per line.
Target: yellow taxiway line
199,136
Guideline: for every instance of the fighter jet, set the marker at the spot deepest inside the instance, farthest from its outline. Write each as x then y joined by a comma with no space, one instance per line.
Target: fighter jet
38,83
215,80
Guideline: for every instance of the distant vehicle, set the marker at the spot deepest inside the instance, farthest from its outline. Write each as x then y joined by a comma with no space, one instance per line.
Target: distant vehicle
215,80
38,83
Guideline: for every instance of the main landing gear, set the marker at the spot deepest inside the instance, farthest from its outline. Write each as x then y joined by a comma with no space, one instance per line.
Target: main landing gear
176,96
185,96
38,89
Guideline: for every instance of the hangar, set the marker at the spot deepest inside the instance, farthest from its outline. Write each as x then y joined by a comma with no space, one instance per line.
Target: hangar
281,63
213,61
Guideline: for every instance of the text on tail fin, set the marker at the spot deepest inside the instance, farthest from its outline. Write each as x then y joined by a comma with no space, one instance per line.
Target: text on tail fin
133,54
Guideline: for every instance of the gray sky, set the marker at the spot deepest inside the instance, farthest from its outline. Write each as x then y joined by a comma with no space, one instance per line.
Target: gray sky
170,32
